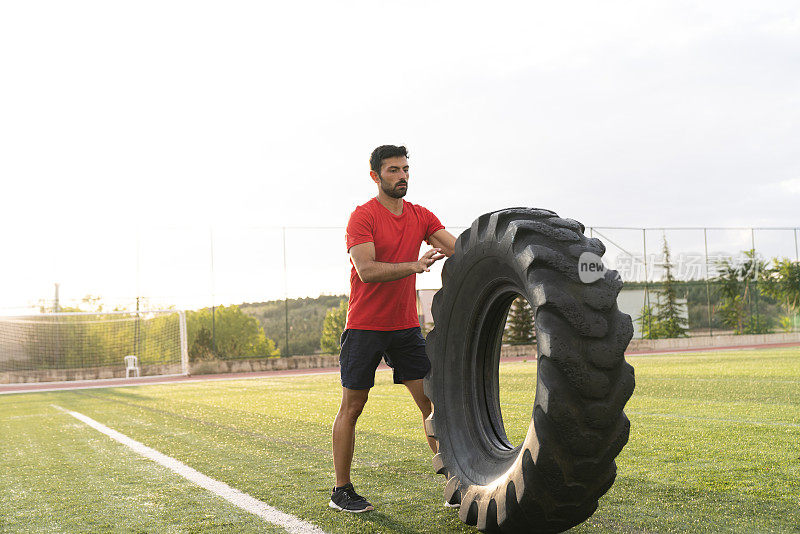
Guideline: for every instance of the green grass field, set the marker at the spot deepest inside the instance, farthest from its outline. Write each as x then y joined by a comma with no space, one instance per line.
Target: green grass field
714,447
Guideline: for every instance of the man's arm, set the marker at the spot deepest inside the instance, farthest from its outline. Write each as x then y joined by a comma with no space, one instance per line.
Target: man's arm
443,240
369,270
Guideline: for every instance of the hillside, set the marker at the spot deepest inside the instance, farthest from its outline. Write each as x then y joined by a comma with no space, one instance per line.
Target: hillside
305,321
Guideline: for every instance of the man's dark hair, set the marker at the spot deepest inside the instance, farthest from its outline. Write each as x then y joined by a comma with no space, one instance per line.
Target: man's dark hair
384,152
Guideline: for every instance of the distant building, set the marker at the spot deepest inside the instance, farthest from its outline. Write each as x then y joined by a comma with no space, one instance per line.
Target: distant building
631,301
424,303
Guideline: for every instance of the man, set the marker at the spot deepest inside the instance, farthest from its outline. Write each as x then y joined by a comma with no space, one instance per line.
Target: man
383,239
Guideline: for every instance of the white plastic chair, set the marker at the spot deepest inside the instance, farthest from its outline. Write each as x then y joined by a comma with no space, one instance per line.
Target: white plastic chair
131,364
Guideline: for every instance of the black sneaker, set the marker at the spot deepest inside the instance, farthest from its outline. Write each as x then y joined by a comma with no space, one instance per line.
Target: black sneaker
347,500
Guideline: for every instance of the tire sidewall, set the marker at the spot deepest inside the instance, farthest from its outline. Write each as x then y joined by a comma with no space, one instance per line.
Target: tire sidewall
487,280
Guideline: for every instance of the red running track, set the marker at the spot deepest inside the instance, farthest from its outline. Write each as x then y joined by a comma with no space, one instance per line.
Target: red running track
121,382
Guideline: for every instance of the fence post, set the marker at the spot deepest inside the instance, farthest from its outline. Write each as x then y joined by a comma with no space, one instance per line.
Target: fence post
138,264
285,291
797,259
213,294
646,289
708,288
184,342
755,275
796,255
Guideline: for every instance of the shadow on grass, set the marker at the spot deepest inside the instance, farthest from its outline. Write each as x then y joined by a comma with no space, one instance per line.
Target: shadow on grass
383,523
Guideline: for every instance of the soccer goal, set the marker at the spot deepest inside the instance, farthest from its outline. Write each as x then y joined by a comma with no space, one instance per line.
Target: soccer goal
88,346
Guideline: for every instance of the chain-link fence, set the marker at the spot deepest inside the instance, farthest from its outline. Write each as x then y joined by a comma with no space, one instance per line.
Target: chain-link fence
287,278
725,280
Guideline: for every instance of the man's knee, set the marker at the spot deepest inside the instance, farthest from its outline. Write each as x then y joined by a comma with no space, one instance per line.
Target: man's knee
353,405
417,390
353,410
425,406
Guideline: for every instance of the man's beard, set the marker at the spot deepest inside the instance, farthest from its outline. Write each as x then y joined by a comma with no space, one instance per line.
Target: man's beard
396,192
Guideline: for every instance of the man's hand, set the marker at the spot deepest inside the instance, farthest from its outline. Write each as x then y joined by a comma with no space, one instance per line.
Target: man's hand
371,271
429,258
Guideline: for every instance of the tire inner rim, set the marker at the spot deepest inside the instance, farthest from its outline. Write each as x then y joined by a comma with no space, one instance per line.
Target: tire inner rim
482,370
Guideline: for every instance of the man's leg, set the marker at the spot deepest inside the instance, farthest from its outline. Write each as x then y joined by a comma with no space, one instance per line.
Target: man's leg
344,432
424,405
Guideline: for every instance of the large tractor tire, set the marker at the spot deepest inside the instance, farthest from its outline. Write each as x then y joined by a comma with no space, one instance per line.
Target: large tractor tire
553,480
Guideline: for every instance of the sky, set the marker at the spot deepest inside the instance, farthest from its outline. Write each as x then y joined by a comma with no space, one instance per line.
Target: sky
131,132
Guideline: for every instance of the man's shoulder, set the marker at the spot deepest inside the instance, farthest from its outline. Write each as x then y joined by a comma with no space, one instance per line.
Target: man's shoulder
366,209
416,208
368,206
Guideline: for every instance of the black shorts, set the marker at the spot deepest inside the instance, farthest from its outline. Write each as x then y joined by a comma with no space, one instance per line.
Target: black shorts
362,350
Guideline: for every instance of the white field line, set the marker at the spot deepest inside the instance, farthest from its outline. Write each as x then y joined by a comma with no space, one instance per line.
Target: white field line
242,500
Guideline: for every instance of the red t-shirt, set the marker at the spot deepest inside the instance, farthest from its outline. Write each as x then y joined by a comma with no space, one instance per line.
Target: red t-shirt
397,238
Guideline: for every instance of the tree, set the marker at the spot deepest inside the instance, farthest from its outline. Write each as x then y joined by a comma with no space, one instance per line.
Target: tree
519,327
332,328
93,303
735,285
733,311
235,335
664,318
306,316
648,324
202,346
787,323
728,285
782,282
668,316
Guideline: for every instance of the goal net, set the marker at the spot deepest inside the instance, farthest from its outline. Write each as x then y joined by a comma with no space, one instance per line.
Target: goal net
88,346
